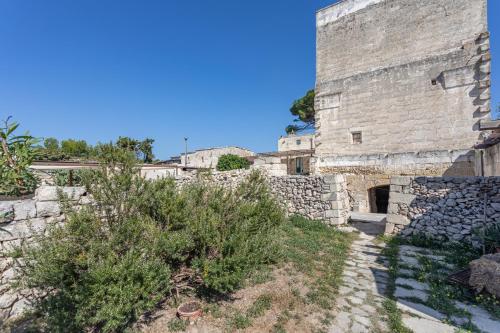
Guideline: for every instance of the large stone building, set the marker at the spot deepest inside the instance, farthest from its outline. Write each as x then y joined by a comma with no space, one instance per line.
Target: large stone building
402,87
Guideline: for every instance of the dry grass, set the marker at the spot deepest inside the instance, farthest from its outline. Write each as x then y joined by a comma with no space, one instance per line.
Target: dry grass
296,296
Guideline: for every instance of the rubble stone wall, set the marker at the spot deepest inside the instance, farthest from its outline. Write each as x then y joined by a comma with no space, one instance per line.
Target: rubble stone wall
315,197
443,208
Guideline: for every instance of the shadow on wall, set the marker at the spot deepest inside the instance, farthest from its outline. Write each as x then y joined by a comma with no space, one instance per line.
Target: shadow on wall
463,165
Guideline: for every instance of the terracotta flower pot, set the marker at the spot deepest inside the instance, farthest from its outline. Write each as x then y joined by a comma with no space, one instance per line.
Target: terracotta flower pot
190,311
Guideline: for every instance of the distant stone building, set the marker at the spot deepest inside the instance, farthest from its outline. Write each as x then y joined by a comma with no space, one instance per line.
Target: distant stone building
296,151
208,158
296,142
402,87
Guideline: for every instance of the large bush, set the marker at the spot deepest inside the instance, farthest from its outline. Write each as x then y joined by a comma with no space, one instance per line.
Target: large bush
144,240
232,162
16,155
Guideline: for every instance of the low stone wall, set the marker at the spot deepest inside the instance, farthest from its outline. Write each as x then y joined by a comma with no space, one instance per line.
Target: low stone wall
316,197
443,208
20,220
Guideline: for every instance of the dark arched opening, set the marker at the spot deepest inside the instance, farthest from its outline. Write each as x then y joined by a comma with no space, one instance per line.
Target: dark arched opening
379,199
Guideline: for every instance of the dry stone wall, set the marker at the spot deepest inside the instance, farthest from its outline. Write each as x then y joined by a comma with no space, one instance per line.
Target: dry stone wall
443,208
21,220
316,197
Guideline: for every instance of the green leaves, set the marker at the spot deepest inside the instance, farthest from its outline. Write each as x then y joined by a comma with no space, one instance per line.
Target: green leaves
17,152
303,109
143,240
232,162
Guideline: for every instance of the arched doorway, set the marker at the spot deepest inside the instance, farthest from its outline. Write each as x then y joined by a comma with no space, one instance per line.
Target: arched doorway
379,199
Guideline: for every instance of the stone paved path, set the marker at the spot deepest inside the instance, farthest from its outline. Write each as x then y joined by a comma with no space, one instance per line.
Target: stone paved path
410,293
360,298
365,278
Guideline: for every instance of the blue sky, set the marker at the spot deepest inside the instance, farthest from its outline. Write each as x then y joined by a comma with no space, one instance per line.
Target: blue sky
221,72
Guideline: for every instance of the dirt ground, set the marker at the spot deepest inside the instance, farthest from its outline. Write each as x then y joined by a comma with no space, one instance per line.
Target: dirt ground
290,311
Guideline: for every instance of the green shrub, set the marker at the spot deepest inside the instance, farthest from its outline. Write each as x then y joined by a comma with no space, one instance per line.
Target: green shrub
67,177
17,152
232,162
144,239
490,236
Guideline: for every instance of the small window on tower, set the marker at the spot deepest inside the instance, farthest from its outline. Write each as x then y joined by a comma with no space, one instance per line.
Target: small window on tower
357,138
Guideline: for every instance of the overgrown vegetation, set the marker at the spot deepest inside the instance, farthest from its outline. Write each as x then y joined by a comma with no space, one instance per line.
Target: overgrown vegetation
232,162
313,259
16,155
490,237
145,240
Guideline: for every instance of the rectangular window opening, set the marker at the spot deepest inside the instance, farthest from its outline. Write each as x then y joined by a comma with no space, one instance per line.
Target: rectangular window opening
357,138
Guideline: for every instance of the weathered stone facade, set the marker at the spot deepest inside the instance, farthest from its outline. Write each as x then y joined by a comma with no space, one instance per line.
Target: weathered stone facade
444,208
208,158
296,142
20,220
401,87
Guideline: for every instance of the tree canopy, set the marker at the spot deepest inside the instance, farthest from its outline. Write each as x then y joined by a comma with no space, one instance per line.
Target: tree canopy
78,149
143,150
232,162
303,109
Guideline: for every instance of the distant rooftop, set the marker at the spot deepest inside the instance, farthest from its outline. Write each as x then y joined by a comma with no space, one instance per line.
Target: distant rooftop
215,148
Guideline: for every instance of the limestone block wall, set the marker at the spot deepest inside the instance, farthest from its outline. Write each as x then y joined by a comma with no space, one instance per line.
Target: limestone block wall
443,208
491,161
364,172
356,36
208,158
296,142
399,76
20,220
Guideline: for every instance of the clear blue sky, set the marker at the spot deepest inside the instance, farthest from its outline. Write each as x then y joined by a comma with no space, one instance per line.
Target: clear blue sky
222,72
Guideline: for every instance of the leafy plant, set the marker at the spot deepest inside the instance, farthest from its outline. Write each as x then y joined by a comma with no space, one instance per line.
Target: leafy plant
232,162
143,240
16,155
490,236
65,177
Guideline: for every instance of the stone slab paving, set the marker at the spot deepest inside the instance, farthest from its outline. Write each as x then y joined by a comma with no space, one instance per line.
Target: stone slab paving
419,317
365,278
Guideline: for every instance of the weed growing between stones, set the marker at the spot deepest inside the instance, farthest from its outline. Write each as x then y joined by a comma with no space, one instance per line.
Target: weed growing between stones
443,294
391,251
